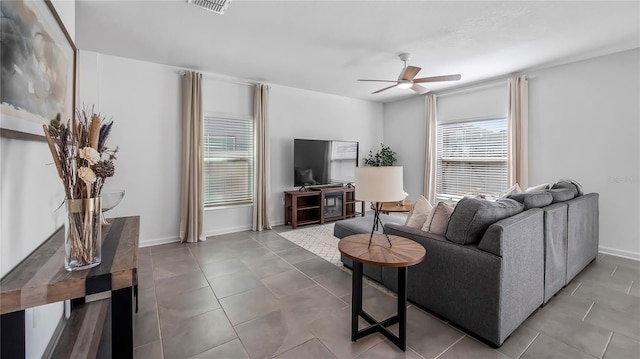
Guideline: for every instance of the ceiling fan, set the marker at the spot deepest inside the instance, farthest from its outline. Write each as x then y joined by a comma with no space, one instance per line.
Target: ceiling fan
406,79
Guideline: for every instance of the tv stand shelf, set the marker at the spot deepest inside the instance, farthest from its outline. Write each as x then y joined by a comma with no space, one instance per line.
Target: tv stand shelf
320,205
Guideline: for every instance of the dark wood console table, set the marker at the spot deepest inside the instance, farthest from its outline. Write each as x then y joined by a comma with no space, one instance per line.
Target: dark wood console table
41,279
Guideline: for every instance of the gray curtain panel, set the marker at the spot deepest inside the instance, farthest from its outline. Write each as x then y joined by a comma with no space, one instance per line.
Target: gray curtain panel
262,194
518,119
430,149
192,203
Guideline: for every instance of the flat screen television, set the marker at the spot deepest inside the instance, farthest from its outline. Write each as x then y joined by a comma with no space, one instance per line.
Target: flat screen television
320,162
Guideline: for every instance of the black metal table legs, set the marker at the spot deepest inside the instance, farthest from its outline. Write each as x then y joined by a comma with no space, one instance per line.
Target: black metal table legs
12,344
122,322
12,327
375,326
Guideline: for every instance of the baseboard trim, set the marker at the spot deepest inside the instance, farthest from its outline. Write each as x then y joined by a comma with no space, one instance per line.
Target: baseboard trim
228,230
158,241
620,253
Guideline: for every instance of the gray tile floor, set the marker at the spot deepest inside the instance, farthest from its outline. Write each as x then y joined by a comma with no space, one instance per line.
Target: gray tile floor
257,295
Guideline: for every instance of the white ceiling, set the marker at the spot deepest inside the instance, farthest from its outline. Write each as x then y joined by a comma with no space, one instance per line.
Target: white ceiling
326,46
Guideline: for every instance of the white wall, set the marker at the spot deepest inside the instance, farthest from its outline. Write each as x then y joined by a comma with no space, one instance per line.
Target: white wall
30,193
295,113
404,132
479,103
584,124
143,99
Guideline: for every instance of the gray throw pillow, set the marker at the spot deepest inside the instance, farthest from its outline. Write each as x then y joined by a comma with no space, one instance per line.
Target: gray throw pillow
570,184
562,194
473,216
533,199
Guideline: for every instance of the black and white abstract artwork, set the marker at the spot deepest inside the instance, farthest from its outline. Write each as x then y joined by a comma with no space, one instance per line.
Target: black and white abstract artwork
37,67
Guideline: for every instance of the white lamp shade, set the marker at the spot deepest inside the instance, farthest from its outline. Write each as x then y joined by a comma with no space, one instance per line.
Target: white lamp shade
379,184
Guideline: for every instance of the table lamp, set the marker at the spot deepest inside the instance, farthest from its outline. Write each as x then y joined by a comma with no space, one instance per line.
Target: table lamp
378,185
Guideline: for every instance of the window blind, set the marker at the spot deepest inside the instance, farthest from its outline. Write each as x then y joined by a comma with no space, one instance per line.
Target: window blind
471,159
228,161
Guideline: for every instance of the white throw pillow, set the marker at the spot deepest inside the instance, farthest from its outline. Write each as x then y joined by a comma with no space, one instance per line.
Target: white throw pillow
439,219
515,189
419,213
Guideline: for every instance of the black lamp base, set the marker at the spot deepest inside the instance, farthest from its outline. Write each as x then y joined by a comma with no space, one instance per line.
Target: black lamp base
376,221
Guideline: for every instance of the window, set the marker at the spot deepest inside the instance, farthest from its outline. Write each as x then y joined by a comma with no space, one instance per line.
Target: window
471,159
228,161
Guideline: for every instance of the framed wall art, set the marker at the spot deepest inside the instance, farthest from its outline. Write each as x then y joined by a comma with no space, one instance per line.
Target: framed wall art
38,68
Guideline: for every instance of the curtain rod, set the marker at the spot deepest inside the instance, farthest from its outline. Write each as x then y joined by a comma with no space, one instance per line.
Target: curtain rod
481,85
494,83
248,83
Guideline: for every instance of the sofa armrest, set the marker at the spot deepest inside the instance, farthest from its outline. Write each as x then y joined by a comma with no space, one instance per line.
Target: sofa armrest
519,240
499,234
582,232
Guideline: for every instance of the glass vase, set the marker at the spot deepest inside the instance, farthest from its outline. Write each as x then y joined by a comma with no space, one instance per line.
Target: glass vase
83,234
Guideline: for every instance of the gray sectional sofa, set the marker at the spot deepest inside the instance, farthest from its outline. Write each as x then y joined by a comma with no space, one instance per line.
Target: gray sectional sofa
491,286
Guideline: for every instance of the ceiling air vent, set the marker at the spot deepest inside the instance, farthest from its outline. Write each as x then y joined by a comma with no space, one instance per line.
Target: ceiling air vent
217,6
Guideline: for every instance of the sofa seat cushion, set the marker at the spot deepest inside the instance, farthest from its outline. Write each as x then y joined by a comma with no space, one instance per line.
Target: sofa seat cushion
473,216
562,194
533,199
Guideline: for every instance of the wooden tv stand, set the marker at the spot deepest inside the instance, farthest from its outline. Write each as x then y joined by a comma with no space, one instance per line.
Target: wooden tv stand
320,205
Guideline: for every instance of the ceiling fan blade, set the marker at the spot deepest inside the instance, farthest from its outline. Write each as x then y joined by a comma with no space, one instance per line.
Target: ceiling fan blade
409,72
419,89
380,80
386,88
438,78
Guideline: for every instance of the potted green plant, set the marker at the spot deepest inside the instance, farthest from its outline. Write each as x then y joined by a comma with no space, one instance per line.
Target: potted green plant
384,157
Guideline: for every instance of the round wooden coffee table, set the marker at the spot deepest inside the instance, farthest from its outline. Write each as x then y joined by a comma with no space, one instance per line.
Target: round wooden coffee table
402,253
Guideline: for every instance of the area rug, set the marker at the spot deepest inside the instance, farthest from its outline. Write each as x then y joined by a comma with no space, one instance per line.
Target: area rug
318,240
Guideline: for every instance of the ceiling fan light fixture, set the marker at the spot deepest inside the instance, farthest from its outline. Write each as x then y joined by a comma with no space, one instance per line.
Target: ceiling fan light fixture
408,80
404,84
217,6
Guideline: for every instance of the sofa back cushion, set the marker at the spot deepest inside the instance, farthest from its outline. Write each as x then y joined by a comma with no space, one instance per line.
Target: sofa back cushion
569,184
473,216
533,199
562,194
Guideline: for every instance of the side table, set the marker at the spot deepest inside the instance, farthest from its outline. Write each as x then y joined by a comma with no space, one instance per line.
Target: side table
402,254
41,279
395,207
